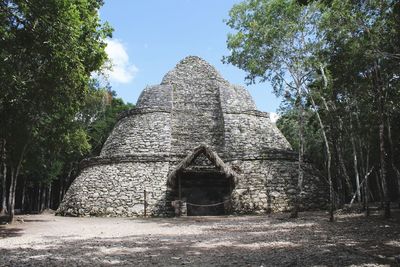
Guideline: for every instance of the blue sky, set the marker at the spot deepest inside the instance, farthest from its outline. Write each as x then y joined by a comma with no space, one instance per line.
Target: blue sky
151,36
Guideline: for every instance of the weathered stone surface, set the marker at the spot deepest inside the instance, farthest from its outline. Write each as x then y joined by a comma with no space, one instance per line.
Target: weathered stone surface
193,106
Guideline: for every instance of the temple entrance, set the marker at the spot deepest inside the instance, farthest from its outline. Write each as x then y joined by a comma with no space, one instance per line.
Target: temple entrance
201,184
206,193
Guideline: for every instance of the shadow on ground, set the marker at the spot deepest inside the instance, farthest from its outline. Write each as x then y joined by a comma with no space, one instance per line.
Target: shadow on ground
229,241
6,232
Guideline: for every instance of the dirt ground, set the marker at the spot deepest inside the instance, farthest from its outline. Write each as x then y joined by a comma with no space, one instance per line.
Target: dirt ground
271,240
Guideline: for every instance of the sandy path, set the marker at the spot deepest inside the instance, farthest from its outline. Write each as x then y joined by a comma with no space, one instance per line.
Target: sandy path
274,240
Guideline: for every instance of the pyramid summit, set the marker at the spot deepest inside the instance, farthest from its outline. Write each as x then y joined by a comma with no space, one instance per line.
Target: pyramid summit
195,145
193,67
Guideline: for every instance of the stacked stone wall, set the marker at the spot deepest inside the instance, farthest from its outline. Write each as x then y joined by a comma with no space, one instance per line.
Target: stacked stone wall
270,185
251,135
156,96
147,132
196,116
118,190
235,99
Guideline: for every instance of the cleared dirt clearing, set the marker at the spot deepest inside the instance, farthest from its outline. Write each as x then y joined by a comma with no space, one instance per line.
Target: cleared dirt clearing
273,240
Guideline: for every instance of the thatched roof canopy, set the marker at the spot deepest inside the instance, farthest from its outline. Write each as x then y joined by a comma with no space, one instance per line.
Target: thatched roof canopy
211,155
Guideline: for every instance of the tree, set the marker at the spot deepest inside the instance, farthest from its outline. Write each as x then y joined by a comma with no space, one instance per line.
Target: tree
368,32
54,157
102,124
49,50
97,119
3,175
313,142
278,40
339,61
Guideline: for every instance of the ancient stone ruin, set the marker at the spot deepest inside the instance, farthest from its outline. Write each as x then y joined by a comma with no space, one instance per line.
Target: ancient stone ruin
194,145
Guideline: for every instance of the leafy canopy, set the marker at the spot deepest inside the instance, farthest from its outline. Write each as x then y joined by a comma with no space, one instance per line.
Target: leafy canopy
274,40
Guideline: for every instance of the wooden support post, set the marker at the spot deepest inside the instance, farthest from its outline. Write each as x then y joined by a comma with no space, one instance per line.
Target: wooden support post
366,196
179,188
145,203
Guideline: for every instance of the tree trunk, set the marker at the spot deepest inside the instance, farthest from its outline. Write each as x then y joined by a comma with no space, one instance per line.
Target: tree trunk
366,197
28,200
64,183
362,184
23,194
364,161
11,197
341,169
395,169
38,198
49,198
295,210
43,199
60,192
329,159
339,179
341,160
344,170
383,167
3,207
383,161
382,151
13,186
355,163
365,188
379,187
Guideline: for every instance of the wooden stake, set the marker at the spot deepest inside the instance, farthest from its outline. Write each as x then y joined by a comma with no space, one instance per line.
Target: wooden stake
145,203
179,188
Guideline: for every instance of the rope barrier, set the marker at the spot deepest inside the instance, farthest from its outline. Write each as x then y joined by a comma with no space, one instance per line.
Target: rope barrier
207,205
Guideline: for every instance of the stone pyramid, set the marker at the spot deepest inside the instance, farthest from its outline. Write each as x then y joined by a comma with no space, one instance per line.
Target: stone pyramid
197,139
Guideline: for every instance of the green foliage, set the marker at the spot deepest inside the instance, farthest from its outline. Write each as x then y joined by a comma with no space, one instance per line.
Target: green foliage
279,41
344,54
274,40
101,128
53,157
314,145
77,142
49,50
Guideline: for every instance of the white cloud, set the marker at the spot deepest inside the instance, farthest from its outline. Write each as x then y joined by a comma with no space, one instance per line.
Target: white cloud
122,71
273,116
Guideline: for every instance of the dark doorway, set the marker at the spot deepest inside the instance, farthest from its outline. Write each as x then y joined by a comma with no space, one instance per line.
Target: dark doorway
205,192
